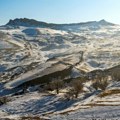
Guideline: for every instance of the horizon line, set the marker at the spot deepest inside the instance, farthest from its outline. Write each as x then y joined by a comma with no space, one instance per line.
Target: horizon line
59,23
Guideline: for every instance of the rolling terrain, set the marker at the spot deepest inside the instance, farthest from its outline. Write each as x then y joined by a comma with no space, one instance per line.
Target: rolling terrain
35,53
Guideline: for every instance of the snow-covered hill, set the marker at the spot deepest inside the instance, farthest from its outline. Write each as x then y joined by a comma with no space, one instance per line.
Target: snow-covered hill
33,52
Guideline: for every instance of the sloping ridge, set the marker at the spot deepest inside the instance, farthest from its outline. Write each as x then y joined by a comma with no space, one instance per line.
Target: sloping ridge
36,76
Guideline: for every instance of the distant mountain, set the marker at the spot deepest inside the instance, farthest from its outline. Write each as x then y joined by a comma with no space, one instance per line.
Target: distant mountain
26,22
68,27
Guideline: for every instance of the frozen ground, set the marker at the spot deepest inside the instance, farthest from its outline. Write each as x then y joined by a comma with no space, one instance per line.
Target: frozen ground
56,107
99,112
31,52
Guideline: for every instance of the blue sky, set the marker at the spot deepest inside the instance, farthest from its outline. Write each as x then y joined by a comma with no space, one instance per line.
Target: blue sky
60,11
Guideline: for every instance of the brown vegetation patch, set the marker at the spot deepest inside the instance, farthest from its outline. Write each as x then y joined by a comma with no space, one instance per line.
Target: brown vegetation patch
95,104
32,118
106,101
4,100
109,92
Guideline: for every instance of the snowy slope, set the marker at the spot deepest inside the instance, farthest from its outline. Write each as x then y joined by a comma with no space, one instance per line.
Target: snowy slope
32,50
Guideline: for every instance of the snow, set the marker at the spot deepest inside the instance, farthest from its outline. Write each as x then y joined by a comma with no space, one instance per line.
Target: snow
99,50
56,107
55,50
101,112
39,72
